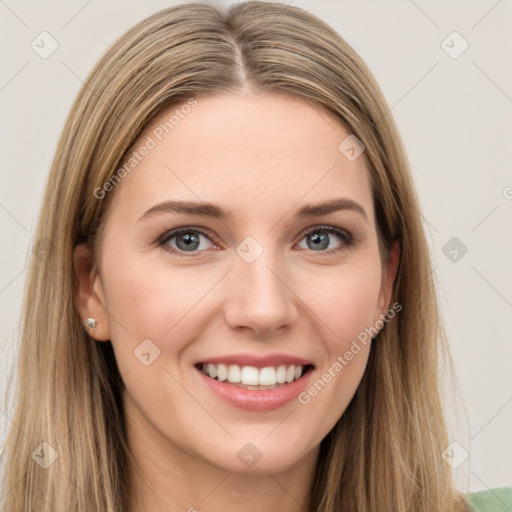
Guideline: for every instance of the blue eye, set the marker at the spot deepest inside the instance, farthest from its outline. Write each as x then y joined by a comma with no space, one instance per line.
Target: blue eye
188,240
323,242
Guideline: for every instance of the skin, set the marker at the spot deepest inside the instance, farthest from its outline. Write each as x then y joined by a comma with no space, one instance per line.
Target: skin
261,156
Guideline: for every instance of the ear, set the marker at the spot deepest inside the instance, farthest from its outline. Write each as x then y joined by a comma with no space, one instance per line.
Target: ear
388,278
90,297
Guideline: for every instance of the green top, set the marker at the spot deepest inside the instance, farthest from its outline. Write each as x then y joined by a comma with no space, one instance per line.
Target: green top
493,500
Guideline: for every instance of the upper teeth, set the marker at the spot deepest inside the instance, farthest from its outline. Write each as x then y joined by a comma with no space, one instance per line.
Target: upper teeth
252,376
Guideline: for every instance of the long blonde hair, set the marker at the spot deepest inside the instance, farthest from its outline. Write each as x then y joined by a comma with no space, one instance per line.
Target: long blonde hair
384,453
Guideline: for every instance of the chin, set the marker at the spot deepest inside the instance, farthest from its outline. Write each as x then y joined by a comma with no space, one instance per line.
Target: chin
260,456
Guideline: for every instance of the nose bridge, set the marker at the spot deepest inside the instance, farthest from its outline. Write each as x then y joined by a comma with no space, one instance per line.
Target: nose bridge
260,298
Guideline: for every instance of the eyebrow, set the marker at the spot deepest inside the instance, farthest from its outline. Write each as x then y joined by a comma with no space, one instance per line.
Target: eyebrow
211,210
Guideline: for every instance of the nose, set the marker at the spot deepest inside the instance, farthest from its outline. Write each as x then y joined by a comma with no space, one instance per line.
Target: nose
259,296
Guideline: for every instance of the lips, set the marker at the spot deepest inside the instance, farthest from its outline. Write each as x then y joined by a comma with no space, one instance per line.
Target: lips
254,382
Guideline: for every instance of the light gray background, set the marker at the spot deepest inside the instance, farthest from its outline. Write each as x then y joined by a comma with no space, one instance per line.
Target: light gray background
455,118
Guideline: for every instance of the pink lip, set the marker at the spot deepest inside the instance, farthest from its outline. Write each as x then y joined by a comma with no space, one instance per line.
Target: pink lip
257,361
254,400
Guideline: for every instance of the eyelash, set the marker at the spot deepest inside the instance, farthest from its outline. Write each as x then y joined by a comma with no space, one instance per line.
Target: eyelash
345,236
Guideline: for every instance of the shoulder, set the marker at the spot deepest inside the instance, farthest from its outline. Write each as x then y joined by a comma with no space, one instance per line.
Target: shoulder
492,500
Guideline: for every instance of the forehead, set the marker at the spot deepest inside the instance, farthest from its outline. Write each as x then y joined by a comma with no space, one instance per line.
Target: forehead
258,152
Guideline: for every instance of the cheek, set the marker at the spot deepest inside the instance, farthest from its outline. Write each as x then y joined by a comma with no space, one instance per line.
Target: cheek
151,301
148,300
346,301
355,305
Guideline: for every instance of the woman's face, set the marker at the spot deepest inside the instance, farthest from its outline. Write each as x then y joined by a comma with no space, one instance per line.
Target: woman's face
259,275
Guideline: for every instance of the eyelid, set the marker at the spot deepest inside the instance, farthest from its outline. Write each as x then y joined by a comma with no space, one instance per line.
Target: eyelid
344,234
168,235
340,232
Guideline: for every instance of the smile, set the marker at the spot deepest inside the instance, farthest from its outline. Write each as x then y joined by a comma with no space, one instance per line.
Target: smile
255,389
250,377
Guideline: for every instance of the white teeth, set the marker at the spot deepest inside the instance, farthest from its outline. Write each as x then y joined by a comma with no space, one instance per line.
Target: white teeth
212,370
251,376
281,374
222,372
234,373
267,376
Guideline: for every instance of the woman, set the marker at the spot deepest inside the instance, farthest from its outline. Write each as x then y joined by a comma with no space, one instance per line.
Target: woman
236,310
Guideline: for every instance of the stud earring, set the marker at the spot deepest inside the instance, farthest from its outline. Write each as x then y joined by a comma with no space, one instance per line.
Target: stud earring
91,323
